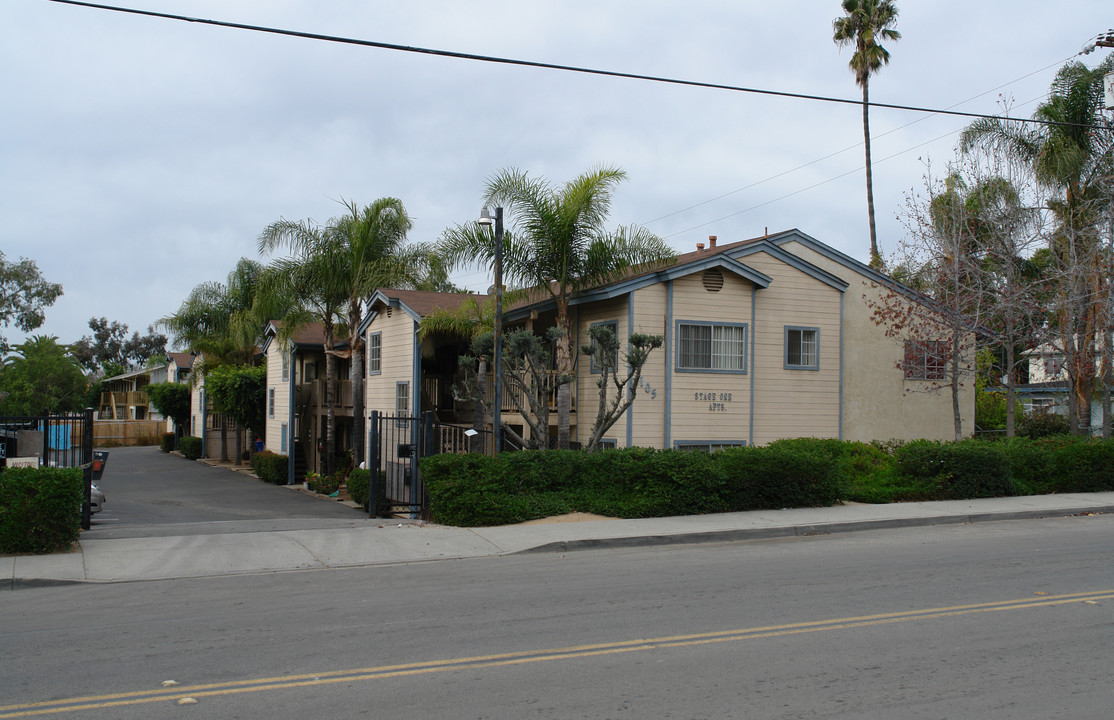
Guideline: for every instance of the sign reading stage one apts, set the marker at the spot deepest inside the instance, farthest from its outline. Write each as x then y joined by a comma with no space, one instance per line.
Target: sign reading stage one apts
717,401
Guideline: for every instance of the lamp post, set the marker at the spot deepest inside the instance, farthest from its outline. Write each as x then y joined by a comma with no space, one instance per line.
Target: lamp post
496,413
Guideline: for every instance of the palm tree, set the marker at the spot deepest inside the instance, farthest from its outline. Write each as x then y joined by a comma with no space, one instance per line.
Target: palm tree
223,323
866,24
1071,154
557,245
333,270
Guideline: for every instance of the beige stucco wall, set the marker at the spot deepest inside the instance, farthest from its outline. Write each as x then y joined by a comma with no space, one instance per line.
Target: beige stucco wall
878,403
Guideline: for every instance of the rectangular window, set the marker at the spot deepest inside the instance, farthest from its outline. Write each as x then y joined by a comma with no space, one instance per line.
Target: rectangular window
709,446
285,366
375,353
270,402
402,399
606,444
925,359
614,327
711,347
802,348
282,439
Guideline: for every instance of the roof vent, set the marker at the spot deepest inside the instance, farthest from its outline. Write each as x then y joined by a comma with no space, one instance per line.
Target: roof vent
711,242
699,247
388,311
713,280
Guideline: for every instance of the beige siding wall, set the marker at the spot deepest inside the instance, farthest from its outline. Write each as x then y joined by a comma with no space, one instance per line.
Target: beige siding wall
878,403
587,392
273,441
794,402
648,411
397,361
710,406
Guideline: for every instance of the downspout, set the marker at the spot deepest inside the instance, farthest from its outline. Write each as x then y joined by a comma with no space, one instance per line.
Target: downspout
753,332
667,419
630,329
290,457
204,421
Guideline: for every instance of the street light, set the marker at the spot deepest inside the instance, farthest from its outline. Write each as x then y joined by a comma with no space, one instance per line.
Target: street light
497,414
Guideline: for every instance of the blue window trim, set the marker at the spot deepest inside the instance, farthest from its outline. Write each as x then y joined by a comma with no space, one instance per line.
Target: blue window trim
379,335
284,432
594,369
271,403
791,366
285,365
693,444
677,351
609,444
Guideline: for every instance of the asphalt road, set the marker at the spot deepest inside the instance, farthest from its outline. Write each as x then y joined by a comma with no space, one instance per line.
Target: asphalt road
994,620
151,493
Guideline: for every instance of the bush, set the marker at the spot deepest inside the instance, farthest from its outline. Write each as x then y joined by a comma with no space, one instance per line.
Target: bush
323,484
1041,425
1084,466
270,467
359,491
946,471
166,444
190,447
40,508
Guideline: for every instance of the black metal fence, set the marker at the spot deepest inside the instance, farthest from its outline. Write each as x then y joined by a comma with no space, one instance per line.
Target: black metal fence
51,441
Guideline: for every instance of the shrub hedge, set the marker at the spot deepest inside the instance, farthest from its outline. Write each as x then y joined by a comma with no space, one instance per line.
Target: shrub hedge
40,508
474,490
166,442
359,490
190,447
270,467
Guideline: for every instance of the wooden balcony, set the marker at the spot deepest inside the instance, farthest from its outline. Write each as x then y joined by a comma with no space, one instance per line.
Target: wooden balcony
437,395
314,394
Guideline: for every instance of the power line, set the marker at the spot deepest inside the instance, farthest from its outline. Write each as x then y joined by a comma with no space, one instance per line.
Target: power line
542,65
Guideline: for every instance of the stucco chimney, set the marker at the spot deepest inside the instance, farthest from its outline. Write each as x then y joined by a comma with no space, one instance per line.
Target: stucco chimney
699,247
711,241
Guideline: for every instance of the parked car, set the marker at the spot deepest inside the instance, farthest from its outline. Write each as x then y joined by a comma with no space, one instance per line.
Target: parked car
96,500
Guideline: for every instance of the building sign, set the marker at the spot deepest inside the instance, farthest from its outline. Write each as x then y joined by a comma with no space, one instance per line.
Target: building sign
717,401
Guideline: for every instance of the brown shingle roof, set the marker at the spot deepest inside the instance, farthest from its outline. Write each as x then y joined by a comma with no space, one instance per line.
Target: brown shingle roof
424,302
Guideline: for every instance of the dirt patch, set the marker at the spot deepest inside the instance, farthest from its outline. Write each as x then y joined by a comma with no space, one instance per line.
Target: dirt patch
570,517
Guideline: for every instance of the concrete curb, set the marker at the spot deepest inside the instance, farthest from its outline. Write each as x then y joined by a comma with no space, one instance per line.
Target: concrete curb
714,536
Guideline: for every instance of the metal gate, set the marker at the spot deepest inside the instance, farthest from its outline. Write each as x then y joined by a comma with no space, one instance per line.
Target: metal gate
52,441
396,443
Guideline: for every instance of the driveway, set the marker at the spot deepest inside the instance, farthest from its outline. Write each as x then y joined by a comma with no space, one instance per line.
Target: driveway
153,494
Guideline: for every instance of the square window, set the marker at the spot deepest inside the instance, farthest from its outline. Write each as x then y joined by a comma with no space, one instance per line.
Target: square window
802,348
706,346
613,325
925,359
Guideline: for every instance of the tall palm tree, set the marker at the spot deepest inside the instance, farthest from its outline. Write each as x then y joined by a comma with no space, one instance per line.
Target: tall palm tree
332,271
223,322
557,245
866,24
1071,154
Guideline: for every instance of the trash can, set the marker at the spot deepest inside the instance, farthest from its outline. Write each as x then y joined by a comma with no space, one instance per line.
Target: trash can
258,445
100,459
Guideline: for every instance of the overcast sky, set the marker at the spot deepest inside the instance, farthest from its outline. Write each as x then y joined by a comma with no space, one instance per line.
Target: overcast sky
140,156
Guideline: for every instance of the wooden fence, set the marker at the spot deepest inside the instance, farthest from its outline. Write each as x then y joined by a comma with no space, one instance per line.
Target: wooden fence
127,432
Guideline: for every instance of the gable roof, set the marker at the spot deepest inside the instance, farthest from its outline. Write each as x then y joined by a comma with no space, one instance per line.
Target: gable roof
415,303
181,360
311,335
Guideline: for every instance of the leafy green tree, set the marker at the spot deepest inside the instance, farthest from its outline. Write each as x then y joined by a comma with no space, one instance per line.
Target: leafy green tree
41,377
224,322
172,400
604,351
865,26
330,273
240,392
109,351
24,296
1072,154
556,246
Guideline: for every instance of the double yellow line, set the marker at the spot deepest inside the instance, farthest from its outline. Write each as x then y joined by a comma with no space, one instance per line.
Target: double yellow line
181,692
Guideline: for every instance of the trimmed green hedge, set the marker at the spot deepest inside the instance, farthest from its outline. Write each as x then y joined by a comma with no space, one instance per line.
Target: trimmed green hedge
40,509
270,467
475,490
190,447
359,491
166,442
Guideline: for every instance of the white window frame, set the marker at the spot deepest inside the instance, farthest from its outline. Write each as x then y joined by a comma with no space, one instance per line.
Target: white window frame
686,358
271,403
708,446
285,366
804,362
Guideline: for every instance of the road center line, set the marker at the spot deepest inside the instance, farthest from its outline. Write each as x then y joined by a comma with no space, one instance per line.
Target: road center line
382,672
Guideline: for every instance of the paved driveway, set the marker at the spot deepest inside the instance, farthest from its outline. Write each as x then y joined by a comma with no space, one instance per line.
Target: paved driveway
151,494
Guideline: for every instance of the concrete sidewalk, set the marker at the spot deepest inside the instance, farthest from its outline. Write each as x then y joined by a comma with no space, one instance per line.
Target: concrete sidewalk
382,542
